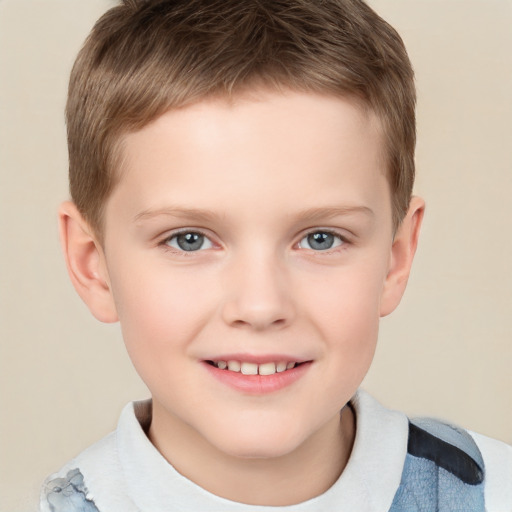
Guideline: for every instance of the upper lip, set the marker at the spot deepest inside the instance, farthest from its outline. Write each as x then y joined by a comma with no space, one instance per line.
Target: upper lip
258,359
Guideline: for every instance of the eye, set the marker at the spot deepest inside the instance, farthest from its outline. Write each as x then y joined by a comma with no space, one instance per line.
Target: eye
189,241
321,241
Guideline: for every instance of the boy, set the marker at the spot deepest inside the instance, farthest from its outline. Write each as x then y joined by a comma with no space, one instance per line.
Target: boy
241,176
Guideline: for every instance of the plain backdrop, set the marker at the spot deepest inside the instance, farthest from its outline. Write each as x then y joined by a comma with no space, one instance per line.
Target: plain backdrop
447,350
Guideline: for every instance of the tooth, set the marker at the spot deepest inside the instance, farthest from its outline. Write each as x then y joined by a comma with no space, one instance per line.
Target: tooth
267,369
249,369
222,365
281,367
233,366
289,366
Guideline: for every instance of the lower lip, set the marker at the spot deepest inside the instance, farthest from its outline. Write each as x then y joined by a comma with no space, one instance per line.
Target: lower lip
258,384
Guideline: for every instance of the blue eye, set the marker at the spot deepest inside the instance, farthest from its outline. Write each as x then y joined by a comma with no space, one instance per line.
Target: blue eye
321,241
189,241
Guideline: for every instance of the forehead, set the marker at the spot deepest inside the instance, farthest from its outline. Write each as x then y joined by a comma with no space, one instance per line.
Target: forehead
284,148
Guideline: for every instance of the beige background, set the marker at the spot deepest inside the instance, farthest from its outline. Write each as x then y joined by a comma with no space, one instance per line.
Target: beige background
446,352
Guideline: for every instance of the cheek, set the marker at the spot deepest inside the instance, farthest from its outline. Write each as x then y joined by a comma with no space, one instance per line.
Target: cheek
160,311
347,298
346,313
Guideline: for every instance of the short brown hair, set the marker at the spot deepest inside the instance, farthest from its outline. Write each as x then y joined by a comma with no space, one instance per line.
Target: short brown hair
145,57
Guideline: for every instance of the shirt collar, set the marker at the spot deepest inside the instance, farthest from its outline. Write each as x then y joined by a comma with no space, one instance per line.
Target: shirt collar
367,484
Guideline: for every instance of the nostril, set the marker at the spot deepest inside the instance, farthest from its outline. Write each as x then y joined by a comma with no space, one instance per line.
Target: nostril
259,323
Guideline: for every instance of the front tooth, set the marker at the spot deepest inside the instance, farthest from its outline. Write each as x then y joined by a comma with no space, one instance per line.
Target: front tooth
222,365
289,366
281,367
233,366
267,369
249,369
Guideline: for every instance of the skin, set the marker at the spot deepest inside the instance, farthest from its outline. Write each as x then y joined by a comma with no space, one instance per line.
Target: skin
265,170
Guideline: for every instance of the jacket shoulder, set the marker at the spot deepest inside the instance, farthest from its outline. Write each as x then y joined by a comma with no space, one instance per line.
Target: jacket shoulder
72,488
449,447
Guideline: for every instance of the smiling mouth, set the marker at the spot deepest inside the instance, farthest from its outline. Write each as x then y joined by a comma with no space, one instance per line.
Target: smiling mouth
247,368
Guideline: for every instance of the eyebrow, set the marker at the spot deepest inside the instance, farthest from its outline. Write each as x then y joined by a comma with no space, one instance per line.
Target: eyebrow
318,214
200,215
195,214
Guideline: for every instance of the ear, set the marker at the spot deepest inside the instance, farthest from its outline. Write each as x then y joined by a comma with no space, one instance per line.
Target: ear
402,253
86,264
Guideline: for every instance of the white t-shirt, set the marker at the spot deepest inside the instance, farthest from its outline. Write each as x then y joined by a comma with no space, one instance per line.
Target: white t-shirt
124,472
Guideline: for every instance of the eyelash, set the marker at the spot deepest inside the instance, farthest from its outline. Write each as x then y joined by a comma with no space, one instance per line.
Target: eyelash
165,242
342,245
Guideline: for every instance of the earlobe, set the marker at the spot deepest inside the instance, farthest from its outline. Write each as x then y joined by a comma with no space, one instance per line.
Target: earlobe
402,254
86,263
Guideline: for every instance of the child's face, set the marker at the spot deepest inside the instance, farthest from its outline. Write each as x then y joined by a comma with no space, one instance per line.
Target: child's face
286,204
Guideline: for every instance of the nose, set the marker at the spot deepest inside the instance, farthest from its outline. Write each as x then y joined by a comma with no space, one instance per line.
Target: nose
258,294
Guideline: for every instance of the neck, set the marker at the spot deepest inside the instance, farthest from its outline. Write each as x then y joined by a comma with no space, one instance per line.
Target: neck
305,473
